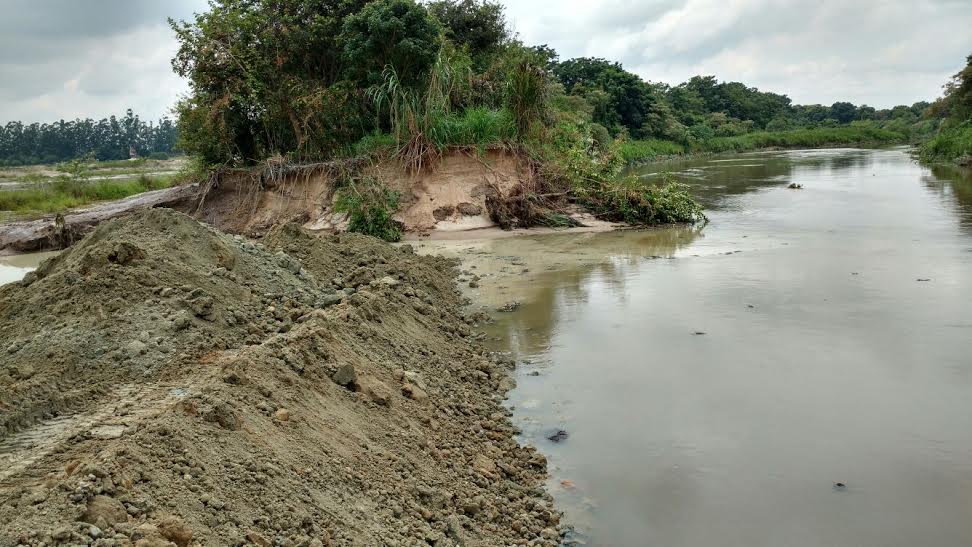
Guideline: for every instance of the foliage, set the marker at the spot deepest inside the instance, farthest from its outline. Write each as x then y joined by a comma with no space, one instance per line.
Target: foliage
640,151
107,139
370,206
479,26
621,99
953,114
954,143
399,34
526,95
634,201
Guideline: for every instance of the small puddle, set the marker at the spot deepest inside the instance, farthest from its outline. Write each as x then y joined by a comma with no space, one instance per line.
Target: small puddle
13,268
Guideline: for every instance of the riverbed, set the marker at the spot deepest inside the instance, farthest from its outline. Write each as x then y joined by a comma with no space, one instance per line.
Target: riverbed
797,372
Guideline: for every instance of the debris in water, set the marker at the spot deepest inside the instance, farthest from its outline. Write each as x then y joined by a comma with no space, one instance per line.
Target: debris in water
924,280
840,486
559,436
795,186
698,333
510,307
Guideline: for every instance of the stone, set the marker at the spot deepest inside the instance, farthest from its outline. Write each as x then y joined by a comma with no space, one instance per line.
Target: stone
175,530
282,415
470,209
136,348
376,391
256,539
223,415
389,281
103,510
346,376
414,392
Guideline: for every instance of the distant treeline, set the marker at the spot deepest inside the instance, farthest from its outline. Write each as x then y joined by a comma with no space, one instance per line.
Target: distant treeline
108,139
704,108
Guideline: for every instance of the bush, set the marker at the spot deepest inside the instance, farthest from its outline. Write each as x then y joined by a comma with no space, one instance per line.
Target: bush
948,145
633,201
370,206
160,156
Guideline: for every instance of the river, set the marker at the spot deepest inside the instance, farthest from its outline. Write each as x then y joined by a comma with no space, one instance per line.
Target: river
716,383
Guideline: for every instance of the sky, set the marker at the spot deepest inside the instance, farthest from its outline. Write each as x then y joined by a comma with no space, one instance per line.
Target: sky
92,58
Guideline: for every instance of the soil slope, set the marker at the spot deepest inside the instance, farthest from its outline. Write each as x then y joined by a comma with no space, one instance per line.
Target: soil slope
164,384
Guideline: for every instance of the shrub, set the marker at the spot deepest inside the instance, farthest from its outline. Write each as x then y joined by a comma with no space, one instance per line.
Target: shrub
370,206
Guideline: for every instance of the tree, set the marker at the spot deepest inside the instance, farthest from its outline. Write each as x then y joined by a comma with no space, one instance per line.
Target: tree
843,112
390,33
629,97
477,25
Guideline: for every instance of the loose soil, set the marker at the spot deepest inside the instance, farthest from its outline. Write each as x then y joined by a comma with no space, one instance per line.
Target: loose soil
162,383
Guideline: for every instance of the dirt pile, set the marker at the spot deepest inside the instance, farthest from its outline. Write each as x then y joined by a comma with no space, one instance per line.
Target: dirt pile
165,384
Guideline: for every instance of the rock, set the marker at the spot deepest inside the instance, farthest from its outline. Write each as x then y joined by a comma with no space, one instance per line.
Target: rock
282,415
470,209
483,464
124,253
181,321
175,530
414,392
442,213
558,436
136,348
223,415
103,511
256,539
329,300
509,307
376,391
154,542
94,532
389,281
346,376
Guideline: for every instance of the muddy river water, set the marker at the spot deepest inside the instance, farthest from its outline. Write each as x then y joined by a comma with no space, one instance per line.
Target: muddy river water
716,383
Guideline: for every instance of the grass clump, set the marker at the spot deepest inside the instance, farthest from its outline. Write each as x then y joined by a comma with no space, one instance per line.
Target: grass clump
370,206
953,144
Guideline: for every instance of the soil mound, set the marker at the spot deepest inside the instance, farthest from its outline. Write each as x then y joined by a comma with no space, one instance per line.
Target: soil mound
162,383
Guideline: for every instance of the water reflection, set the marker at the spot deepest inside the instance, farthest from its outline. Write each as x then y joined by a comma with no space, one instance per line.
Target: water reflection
953,185
712,397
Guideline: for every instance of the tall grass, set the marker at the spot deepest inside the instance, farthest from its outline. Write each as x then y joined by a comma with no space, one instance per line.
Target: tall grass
949,145
66,193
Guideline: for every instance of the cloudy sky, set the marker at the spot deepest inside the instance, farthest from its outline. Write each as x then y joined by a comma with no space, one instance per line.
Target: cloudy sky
91,58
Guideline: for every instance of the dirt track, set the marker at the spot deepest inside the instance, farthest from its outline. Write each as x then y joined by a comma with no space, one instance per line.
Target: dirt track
162,383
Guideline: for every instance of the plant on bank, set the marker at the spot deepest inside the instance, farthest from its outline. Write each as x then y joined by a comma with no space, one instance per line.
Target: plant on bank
370,205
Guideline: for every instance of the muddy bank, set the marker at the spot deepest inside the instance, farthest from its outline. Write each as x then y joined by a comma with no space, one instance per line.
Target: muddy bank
165,384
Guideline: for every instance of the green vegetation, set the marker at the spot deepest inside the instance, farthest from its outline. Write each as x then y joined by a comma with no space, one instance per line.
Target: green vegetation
370,206
108,139
951,144
67,192
851,135
953,141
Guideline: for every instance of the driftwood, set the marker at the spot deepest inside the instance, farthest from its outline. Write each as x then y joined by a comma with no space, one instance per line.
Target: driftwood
60,231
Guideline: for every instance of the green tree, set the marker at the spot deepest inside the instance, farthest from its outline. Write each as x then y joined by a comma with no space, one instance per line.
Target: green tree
400,34
478,25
